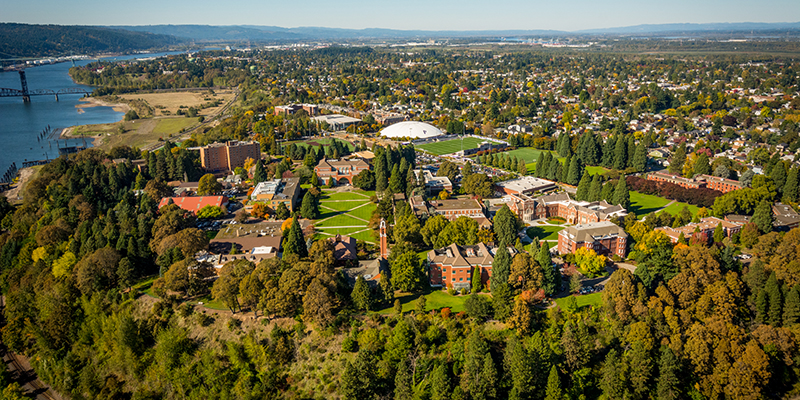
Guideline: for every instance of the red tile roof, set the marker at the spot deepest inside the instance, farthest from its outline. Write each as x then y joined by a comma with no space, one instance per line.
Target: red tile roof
194,204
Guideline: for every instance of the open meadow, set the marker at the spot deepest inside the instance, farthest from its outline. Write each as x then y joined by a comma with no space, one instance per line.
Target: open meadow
170,103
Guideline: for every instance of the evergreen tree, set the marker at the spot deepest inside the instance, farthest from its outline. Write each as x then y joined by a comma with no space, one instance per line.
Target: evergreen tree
677,160
791,308
563,144
361,294
669,382
440,383
774,299
397,181
477,285
701,165
608,152
630,151
778,175
762,307
607,193
763,217
505,226
620,154
294,242
575,171
792,187
640,158
309,208
595,188
612,382
403,383
502,299
640,367
621,194
552,278
541,169
719,234
522,169
583,187
553,390
381,171
259,175
520,368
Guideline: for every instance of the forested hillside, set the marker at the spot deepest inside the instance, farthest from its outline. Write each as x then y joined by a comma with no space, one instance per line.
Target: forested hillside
24,40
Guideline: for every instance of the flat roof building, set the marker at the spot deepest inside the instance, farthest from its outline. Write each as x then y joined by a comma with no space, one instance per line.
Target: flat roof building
604,238
524,185
433,184
228,156
277,191
337,122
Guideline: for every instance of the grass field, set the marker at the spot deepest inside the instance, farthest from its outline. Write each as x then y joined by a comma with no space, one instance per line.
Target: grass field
451,146
594,170
343,196
544,232
364,236
169,103
642,204
341,205
530,155
433,301
592,299
341,220
364,212
677,207
166,126
339,231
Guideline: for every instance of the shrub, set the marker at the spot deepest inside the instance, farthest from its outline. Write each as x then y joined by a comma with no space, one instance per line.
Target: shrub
234,324
205,320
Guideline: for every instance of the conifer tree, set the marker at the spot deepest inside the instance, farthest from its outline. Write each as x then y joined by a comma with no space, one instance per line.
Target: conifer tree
620,154
477,285
763,217
309,208
792,187
397,181
607,193
403,383
595,188
522,169
553,389
583,188
791,308
608,152
550,283
541,169
677,160
701,165
575,171
668,386
640,158
361,295
719,234
259,175
440,383
621,194
294,242
775,300
612,382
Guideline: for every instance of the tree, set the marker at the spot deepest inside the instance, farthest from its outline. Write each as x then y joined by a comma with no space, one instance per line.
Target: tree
668,386
551,281
522,316
553,389
640,158
365,180
208,185
677,160
440,383
210,212
701,165
157,190
763,217
719,234
407,272
589,262
361,294
595,188
583,188
403,382
282,212
318,303
505,226
526,274
478,185
621,194
575,171
477,285
309,208
612,382
259,175
791,190
774,298
359,380
294,242
433,227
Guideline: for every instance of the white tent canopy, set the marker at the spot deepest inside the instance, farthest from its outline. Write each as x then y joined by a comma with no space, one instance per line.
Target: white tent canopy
411,129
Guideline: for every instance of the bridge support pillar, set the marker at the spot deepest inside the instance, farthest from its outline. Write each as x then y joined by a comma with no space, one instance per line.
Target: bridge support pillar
56,96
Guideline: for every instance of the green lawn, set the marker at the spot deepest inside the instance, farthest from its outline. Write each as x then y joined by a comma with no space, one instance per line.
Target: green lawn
343,196
167,126
433,301
583,300
364,212
341,220
544,232
365,236
642,204
339,231
342,205
368,193
451,146
676,207
594,170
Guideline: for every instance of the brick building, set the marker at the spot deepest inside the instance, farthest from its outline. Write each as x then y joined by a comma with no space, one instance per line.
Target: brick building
341,171
229,155
562,205
524,185
454,265
195,203
700,181
603,237
703,230
291,109
454,208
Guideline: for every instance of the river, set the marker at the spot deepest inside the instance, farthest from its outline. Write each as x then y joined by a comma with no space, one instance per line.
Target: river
21,123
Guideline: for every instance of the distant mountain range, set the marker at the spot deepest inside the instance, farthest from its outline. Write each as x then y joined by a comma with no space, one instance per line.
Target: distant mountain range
210,33
24,40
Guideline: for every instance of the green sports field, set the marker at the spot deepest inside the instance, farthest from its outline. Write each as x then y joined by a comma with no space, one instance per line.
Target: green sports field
451,146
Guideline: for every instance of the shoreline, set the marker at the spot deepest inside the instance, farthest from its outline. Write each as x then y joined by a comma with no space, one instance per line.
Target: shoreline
86,102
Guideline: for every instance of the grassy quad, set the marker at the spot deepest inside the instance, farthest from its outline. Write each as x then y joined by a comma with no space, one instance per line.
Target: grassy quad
592,299
319,141
342,205
341,220
433,301
451,146
544,232
343,196
676,207
643,204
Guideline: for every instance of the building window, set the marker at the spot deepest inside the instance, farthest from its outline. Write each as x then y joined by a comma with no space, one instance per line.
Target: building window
444,270
460,279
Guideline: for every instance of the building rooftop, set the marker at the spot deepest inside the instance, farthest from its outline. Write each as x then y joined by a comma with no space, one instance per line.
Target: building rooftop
526,184
593,231
455,204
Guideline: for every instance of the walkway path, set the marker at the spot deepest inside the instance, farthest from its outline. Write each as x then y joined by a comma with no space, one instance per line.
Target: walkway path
362,203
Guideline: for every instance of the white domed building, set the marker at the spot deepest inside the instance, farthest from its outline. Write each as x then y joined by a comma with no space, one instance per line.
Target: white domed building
411,130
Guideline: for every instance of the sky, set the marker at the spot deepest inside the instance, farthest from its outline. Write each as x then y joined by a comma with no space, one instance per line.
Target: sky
565,15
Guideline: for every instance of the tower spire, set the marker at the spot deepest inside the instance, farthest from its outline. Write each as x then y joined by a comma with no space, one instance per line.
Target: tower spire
384,239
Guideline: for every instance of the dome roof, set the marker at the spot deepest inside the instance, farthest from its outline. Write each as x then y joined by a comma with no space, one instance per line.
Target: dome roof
411,129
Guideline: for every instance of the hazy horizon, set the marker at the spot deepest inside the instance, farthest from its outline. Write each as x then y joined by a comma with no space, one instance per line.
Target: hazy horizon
468,15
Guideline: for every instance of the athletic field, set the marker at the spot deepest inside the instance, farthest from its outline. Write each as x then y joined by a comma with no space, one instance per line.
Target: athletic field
451,146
